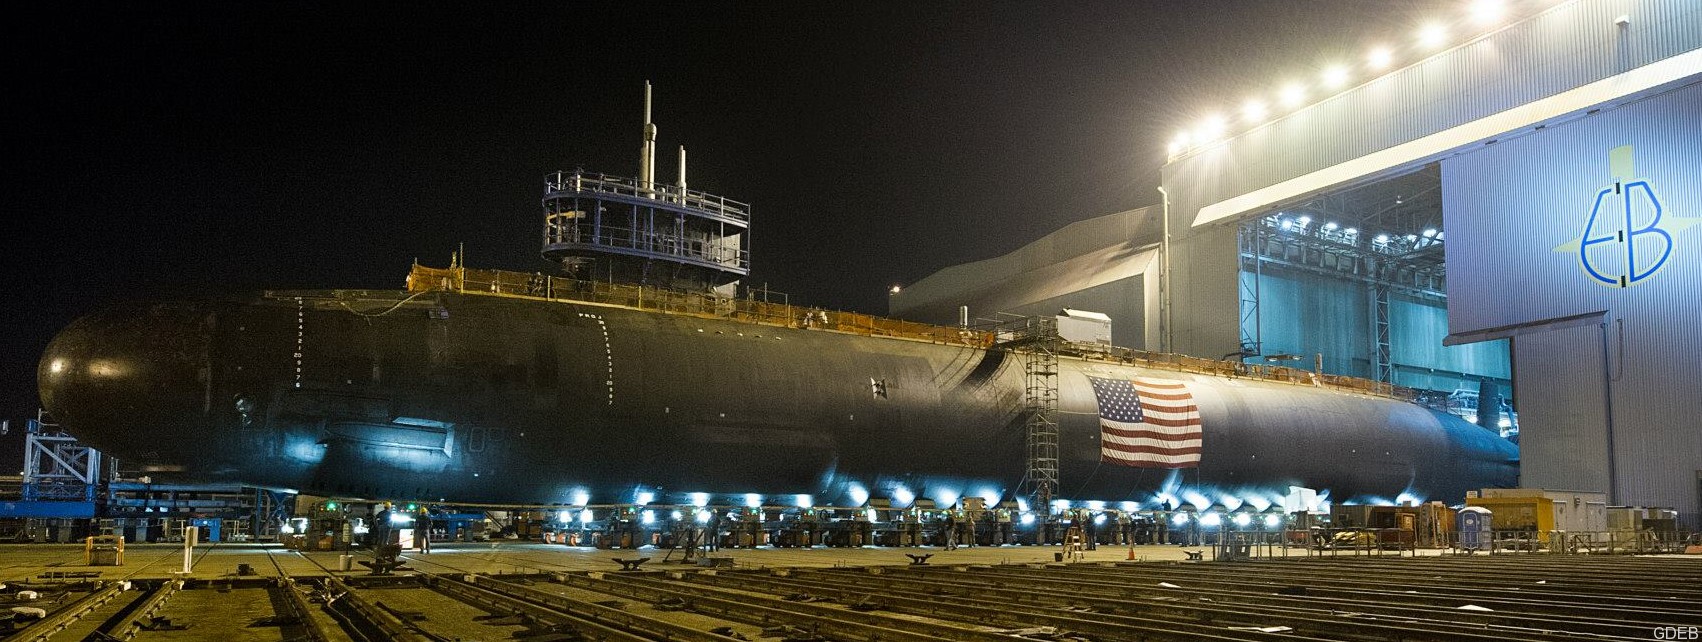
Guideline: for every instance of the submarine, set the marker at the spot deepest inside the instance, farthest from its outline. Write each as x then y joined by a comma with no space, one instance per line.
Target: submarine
637,376
479,392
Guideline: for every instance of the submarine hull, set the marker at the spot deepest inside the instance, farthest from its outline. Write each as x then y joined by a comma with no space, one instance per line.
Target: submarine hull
463,397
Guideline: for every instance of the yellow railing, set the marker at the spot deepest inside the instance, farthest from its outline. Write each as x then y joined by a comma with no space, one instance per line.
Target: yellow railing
643,297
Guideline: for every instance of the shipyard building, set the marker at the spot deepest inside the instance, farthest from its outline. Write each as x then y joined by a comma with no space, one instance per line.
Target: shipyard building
1512,225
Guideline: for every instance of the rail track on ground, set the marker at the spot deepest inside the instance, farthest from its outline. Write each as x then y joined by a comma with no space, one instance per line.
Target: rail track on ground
1370,599
443,599
230,607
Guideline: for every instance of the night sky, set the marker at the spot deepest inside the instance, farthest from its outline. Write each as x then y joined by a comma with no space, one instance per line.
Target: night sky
172,149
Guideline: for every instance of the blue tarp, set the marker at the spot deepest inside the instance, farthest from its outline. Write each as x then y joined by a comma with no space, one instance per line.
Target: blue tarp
63,510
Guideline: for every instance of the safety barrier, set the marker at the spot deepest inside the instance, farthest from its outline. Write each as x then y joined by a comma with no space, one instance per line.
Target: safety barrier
1577,542
567,184
750,310
643,297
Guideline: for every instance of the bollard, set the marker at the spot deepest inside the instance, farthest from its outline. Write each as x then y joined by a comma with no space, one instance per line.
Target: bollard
190,534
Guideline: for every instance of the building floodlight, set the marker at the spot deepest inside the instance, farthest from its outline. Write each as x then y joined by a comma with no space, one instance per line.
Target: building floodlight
1430,233
1211,129
1304,220
1330,226
1253,110
1335,76
1293,95
1378,59
896,289
1382,239
1488,11
1432,35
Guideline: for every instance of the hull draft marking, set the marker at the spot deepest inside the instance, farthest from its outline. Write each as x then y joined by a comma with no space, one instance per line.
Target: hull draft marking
608,351
300,336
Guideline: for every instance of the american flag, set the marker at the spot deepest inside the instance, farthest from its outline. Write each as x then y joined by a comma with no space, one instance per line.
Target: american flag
1147,423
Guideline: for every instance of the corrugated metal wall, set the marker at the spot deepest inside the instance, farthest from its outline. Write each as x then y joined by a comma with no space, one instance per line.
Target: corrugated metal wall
1510,211
1049,274
1574,43
1416,331
1571,45
1305,315
1563,435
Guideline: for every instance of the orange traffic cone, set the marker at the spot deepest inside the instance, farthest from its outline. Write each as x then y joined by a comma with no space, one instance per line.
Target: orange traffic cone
1131,550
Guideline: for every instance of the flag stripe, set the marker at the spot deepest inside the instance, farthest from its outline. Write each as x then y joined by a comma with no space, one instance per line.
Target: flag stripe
1161,451
1142,383
1160,396
1151,461
1173,423
1137,430
1147,435
1153,407
1166,443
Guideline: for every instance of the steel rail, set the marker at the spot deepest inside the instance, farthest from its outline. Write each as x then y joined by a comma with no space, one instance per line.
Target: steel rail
1535,601
298,606
594,621
764,611
59,620
142,611
1005,617
1384,621
367,621
1632,575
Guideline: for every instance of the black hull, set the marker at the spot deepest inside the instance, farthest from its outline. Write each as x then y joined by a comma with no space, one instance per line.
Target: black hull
476,398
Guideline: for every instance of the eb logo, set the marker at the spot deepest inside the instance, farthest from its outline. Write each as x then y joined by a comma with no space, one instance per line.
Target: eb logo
1626,240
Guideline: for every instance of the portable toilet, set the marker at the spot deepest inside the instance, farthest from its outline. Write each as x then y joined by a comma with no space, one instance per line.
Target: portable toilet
1475,528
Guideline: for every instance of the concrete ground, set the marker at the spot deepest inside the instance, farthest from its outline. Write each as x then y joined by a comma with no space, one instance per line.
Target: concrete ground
30,562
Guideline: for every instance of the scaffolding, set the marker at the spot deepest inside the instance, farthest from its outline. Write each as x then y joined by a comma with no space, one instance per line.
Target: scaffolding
56,467
1035,340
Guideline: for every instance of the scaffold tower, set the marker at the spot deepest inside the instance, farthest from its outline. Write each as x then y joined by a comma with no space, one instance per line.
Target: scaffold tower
1036,341
56,467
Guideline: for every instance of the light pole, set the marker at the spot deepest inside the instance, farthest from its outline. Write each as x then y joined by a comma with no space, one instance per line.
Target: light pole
1166,343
